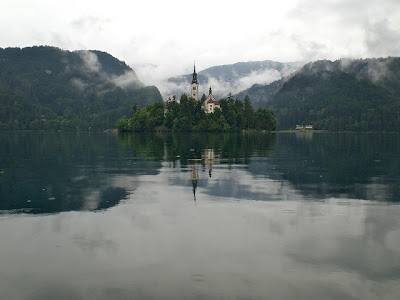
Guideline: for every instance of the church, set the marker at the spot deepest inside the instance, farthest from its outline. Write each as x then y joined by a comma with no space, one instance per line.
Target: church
210,104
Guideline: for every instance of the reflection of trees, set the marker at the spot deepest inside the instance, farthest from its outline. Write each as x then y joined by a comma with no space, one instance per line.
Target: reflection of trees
361,166
44,172
191,150
364,166
146,145
230,148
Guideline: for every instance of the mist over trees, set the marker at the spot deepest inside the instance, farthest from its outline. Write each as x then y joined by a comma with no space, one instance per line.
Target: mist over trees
344,95
234,77
49,88
188,116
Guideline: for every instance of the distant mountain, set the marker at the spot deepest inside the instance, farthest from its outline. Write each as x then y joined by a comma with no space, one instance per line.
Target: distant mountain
260,94
233,78
353,95
46,87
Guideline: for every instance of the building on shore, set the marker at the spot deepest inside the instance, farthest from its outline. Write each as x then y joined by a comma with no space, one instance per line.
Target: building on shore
210,104
304,127
194,86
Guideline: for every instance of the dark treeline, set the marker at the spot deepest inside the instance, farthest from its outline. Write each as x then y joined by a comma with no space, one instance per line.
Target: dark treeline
344,95
188,116
336,102
49,88
231,148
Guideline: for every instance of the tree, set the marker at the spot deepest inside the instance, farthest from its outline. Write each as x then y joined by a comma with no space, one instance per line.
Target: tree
187,115
264,120
248,113
124,125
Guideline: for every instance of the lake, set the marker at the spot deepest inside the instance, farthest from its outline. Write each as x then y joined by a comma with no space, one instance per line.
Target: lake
89,215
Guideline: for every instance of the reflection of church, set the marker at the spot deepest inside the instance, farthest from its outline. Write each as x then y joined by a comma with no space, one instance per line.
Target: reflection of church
210,159
194,175
210,104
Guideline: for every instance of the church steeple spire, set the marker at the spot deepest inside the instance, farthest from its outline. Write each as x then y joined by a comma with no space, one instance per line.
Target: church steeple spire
194,93
194,74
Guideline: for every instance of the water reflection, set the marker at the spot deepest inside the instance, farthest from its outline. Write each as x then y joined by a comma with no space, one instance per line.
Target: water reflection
308,235
359,166
210,159
47,172
44,172
194,176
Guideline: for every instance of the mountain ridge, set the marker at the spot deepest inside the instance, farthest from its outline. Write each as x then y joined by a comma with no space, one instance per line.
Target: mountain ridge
60,89
233,78
341,95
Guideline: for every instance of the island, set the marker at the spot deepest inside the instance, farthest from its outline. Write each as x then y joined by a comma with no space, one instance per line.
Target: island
190,114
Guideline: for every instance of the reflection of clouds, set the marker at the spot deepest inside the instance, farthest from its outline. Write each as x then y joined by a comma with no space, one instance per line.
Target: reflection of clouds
235,181
159,245
377,190
117,186
95,242
91,200
55,290
357,238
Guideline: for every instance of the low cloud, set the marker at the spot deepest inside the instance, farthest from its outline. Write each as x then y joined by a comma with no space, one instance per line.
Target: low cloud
221,87
79,83
90,61
382,40
89,23
91,64
374,69
127,80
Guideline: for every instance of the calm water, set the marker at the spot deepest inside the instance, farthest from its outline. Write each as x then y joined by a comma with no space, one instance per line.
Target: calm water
285,216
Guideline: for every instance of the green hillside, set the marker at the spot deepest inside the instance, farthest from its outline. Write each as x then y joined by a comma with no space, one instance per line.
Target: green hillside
49,88
345,95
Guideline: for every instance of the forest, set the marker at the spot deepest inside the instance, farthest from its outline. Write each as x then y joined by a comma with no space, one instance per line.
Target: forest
339,102
358,95
49,88
188,116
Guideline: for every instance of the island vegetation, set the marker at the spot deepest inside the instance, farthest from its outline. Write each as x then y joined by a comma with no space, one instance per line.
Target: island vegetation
187,115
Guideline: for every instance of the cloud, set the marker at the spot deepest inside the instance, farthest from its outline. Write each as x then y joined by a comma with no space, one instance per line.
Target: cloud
126,80
79,83
290,30
90,61
382,40
222,87
89,23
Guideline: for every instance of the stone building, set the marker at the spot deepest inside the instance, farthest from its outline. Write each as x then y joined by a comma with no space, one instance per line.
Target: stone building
210,104
194,86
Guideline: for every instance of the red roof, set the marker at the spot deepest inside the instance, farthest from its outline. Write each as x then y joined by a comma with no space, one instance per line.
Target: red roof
213,101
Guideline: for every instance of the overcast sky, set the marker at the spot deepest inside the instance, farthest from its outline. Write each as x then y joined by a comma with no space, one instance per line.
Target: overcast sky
163,38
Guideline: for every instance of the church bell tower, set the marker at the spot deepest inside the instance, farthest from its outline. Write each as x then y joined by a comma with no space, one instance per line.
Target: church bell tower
194,86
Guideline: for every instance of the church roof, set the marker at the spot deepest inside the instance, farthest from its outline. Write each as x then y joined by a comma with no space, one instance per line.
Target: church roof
211,100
